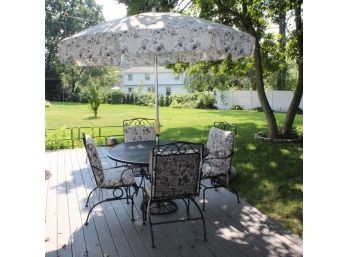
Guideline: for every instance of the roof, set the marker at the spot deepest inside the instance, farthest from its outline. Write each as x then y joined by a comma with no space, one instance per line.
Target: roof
161,69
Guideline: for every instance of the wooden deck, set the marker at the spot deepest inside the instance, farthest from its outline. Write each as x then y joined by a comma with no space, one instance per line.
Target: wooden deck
232,229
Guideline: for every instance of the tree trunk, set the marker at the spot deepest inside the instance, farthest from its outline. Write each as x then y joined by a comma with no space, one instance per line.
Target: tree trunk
271,121
281,80
291,113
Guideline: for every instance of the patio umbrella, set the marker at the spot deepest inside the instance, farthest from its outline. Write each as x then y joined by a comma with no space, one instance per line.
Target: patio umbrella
154,39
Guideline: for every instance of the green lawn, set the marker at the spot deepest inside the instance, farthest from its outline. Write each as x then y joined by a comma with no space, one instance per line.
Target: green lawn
269,174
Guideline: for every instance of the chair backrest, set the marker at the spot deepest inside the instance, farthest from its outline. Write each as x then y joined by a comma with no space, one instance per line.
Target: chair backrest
221,145
175,170
93,158
225,126
139,129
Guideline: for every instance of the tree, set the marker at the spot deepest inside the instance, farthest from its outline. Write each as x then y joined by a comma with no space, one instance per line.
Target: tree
298,53
62,19
136,6
95,95
96,83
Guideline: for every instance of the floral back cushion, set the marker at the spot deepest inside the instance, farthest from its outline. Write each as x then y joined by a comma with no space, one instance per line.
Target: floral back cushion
175,175
220,144
139,133
94,160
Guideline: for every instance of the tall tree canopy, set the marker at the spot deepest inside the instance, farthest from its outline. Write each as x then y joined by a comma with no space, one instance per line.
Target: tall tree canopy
62,19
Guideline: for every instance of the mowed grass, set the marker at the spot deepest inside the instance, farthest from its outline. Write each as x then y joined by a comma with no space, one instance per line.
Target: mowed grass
269,174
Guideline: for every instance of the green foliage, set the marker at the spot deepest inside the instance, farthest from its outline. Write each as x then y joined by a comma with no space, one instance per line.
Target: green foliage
205,100
258,109
96,95
145,99
168,101
58,139
140,6
60,23
117,96
201,100
161,100
237,107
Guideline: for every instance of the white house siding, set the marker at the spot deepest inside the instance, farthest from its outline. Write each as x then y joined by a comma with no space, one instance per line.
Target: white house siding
166,78
248,99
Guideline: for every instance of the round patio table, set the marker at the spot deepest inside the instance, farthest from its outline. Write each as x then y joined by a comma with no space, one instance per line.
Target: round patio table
138,154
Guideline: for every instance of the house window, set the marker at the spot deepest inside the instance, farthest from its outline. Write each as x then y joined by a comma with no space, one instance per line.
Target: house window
147,76
130,77
151,89
176,76
129,90
168,90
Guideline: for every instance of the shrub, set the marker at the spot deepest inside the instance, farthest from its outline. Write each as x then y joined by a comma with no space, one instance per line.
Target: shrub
175,104
58,139
205,100
117,96
145,99
197,100
258,109
161,101
237,107
167,100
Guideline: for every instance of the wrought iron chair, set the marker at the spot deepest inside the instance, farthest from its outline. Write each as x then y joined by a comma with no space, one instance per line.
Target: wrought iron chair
175,174
119,179
139,129
217,166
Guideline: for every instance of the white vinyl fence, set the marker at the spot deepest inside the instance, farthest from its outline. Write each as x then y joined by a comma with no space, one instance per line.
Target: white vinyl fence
248,99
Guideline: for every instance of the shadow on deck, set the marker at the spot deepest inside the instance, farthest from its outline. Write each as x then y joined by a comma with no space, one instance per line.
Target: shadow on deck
232,229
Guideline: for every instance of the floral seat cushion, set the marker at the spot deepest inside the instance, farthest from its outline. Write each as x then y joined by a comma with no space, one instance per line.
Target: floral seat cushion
139,133
118,176
115,177
210,170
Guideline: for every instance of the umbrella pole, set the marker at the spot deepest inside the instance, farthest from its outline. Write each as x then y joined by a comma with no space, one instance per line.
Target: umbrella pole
156,100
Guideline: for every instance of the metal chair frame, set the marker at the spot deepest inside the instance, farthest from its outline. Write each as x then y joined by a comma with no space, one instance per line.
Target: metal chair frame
123,190
216,181
173,149
139,122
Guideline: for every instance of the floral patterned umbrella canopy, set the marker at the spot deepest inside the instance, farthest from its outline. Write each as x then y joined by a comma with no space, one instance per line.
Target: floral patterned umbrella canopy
154,38
140,38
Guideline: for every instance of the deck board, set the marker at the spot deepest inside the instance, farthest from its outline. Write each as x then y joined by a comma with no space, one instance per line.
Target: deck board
232,229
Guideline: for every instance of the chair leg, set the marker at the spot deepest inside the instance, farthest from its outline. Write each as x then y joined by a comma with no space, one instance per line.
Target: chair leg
144,206
132,199
127,193
152,236
203,221
236,192
86,205
90,210
205,188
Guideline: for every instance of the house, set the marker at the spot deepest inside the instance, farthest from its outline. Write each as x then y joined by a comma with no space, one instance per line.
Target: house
168,81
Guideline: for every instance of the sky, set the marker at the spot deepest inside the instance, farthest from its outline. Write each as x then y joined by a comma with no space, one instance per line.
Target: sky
112,10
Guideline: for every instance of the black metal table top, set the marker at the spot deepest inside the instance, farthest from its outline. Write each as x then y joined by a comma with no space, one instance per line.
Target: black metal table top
137,152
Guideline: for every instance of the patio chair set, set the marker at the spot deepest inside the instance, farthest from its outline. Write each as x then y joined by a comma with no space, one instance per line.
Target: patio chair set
169,170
